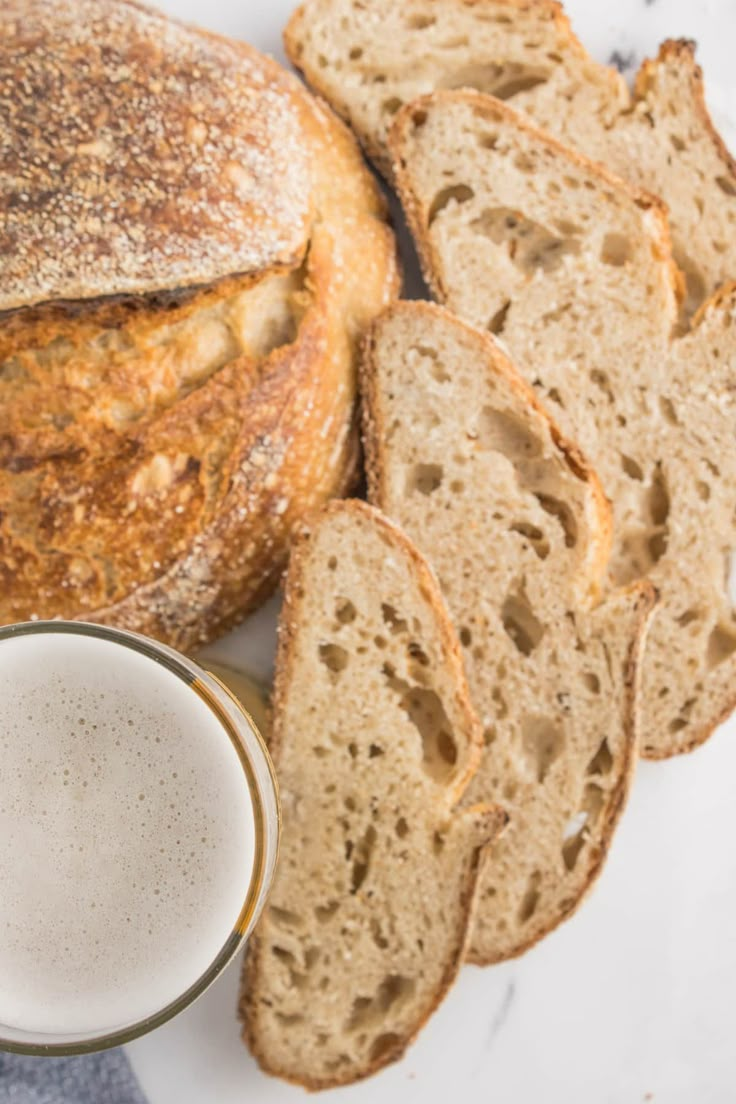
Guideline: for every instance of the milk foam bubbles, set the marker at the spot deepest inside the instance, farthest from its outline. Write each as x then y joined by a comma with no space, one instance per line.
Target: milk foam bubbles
127,835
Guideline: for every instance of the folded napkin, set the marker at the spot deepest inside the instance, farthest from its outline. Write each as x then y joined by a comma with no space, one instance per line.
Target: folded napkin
104,1078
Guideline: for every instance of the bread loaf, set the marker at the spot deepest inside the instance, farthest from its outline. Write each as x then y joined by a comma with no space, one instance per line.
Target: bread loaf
368,57
513,521
374,742
179,317
572,269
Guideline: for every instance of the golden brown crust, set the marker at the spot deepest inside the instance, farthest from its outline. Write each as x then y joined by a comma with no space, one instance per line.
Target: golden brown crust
495,818
135,494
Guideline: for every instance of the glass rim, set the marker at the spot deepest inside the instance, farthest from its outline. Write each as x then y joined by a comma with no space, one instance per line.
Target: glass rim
236,722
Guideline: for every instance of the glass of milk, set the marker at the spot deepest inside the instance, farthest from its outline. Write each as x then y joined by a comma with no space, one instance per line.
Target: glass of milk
139,827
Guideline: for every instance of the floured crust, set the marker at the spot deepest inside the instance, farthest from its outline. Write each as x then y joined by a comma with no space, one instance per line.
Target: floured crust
158,451
489,820
151,156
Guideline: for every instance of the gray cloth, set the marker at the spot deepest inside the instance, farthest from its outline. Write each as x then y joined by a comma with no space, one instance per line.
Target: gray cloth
104,1078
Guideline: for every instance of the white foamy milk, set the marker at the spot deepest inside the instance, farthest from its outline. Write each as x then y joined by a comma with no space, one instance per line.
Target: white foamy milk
126,835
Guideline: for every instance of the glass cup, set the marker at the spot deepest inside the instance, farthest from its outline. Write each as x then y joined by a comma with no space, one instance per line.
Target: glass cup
239,727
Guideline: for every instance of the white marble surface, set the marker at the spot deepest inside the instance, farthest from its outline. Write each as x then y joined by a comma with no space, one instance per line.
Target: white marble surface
634,999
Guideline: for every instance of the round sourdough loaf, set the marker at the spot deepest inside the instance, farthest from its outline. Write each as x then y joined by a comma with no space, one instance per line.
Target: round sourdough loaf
190,248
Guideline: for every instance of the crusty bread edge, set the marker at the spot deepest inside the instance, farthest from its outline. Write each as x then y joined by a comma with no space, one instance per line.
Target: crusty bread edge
416,212
374,429
496,817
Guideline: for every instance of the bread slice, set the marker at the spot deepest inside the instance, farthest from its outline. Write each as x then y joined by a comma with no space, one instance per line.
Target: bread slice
572,268
368,57
463,457
374,743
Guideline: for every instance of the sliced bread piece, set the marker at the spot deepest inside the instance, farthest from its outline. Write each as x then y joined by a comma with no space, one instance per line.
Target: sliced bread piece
572,267
374,742
461,455
368,57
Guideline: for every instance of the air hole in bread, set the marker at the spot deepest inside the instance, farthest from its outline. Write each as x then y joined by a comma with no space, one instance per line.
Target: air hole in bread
502,710
361,857
689,616
602,761
289,1019
502,431
426,712
425,478
332,563
602,382
631,468
297,979
385,1045
322,61
420,22
377,934
391,617
345,611
324,912
530,900
727,185
721,645
380,642
391,105
524,82
401,828
530,245
374,751
489,140
535,537
466,637
616,250
334,657
578,828
659,499
677,143
592,682
524,163
356,52
520,622
454,193
320,752
667,408
498,321
695,284
284,918
559,510
542,742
